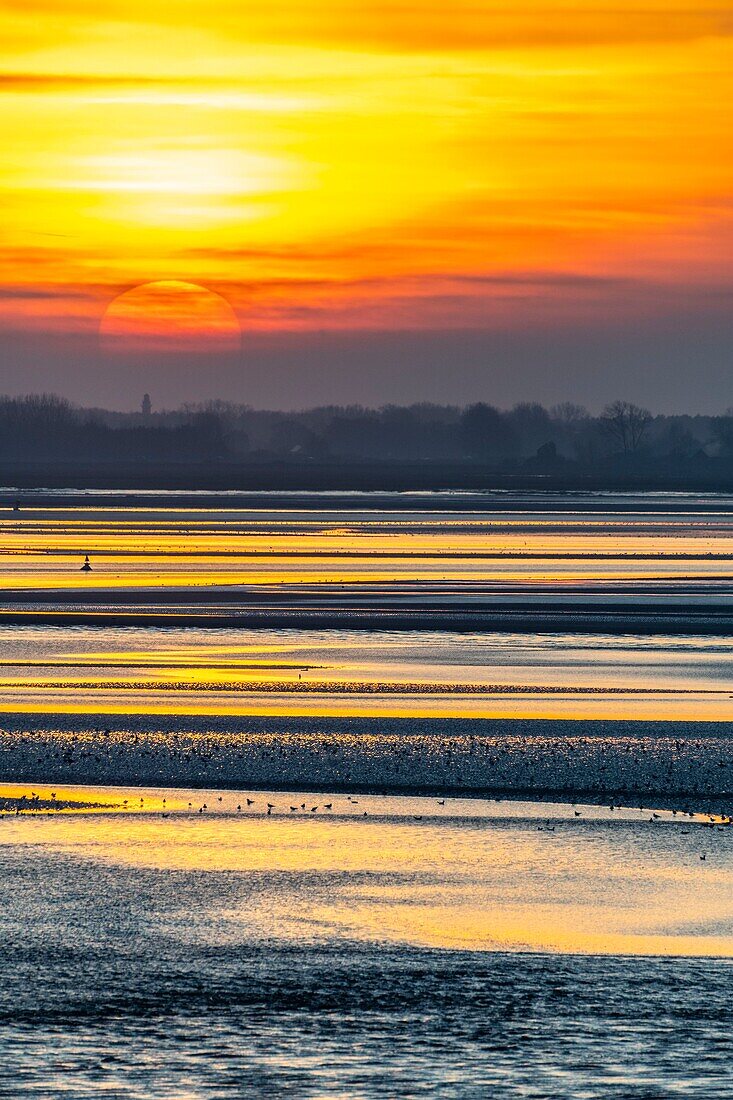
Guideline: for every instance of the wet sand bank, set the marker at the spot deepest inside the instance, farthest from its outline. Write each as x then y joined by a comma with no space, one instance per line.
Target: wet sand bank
710,621
686,764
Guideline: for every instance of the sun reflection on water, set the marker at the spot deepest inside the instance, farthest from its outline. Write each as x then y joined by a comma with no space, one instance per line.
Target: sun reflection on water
480,875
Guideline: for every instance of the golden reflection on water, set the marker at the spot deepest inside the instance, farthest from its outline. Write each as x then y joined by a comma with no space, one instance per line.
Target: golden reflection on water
611,707
485,877
142,547
113,570
378,674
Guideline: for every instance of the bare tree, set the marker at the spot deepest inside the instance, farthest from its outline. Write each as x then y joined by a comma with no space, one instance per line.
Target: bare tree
722,431
626,424
569,414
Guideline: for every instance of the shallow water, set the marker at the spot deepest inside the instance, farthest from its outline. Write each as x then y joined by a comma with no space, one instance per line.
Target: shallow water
386,869
415,674
422,950
322,553
612,546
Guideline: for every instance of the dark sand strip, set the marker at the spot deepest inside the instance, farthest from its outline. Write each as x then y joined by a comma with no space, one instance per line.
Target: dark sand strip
422,488
713,621
689,765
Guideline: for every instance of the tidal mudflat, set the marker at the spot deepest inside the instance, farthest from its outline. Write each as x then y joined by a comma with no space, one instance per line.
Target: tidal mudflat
441,560
366,796
169,943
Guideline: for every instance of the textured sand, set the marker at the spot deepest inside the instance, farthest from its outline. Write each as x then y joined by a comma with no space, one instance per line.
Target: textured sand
687,763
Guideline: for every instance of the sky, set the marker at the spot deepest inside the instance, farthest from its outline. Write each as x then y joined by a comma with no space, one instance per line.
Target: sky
291,204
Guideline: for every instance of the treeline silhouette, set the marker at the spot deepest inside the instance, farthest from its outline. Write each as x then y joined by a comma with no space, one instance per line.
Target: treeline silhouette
47,426
46,429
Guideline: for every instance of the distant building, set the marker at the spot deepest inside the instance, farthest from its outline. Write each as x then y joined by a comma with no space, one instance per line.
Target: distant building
146,405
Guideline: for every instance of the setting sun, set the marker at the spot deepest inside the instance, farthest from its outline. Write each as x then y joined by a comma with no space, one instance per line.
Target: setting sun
169,317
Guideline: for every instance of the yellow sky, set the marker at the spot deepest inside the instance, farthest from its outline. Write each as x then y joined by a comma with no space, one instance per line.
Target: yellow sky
356,164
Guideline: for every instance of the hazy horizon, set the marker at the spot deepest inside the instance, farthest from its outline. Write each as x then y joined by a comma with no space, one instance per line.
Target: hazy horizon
677,371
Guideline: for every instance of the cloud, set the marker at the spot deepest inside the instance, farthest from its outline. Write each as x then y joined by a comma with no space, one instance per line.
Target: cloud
50,81
407,25
88,292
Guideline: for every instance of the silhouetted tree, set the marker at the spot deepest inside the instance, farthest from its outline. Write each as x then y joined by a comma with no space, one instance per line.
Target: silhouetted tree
46,428
531,425
485,432
626,424
568,414
722,432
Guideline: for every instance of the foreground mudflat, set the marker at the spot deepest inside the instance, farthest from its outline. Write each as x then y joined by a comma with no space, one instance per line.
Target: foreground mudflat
418,950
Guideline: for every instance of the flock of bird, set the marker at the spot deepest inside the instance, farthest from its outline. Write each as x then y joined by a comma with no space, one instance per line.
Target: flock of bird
629,772
691,771
36,804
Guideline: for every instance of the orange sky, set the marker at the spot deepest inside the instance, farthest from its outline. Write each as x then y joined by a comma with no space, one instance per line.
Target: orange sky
352,165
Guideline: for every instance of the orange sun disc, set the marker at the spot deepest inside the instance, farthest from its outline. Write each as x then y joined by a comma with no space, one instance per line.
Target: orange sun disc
169,317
